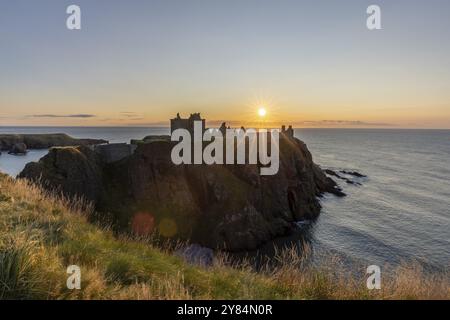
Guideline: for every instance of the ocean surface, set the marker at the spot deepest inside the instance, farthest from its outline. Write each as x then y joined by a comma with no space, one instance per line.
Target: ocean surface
400,212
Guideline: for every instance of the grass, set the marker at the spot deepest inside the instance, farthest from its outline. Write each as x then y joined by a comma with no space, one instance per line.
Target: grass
42,234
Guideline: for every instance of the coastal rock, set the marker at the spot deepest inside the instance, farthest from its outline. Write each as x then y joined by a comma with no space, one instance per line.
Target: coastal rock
348,181
327,184
354,173
77,172
18,149
229,207
332,173
44,141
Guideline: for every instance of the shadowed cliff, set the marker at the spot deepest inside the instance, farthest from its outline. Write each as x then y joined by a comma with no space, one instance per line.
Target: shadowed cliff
219,206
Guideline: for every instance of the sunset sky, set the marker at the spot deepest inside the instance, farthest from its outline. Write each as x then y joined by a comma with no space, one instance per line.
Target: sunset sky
309,63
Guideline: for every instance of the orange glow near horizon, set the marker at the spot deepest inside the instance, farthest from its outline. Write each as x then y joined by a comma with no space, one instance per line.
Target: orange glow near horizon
299,114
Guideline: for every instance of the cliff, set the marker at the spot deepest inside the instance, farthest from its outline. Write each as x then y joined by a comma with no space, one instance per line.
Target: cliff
43,141
219,206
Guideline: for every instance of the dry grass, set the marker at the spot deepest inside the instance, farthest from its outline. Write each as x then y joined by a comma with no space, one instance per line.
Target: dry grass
41,234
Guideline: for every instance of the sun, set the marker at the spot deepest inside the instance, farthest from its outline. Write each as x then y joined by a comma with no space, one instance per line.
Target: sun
262,112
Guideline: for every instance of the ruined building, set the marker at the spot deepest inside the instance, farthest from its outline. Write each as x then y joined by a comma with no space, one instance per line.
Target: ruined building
188,124
289,132
114,151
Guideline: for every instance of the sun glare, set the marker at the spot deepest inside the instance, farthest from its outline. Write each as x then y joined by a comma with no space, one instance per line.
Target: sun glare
262,112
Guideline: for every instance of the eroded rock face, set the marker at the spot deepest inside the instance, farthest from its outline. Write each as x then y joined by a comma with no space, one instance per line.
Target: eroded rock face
218,206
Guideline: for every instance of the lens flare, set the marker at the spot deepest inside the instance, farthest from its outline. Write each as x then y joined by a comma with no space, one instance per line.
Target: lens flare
168,228
143,223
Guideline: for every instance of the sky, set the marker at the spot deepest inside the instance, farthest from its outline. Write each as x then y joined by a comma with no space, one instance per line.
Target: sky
308,63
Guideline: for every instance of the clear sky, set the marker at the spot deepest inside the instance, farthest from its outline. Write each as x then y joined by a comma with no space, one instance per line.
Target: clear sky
310,63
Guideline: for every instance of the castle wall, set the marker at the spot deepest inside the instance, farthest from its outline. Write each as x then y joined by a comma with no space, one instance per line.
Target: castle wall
187,124
115,151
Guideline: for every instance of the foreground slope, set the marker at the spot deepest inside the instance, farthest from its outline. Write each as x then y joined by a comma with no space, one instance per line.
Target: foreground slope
40,235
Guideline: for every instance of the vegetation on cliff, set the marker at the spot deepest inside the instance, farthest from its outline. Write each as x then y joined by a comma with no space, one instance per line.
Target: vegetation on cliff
42,234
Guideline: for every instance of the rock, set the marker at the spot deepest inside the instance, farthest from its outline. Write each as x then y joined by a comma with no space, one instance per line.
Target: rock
75,171
354,173
44,141
228,207
348,181
332,173
327,184
18,149
337,192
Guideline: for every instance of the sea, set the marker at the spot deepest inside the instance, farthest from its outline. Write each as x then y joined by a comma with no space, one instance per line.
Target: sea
399,213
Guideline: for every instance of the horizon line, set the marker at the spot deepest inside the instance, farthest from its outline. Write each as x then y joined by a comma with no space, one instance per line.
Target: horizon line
168,127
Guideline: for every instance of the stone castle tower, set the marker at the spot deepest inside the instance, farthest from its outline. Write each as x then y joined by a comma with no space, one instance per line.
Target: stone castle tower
188,124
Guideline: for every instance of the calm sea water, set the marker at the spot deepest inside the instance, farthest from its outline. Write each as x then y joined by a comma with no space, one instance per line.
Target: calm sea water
399,213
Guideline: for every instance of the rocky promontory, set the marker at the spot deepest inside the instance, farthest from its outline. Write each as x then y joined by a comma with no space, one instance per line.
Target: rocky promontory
12,142
230,207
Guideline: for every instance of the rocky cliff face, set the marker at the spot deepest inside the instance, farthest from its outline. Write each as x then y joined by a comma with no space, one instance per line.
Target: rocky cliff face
219,206
75,171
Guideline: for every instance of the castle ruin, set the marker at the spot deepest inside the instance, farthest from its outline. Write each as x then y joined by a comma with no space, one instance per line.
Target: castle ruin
188,124
289,132
117,151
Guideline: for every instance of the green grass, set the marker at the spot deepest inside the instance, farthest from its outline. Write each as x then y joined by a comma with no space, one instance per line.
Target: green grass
41,235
